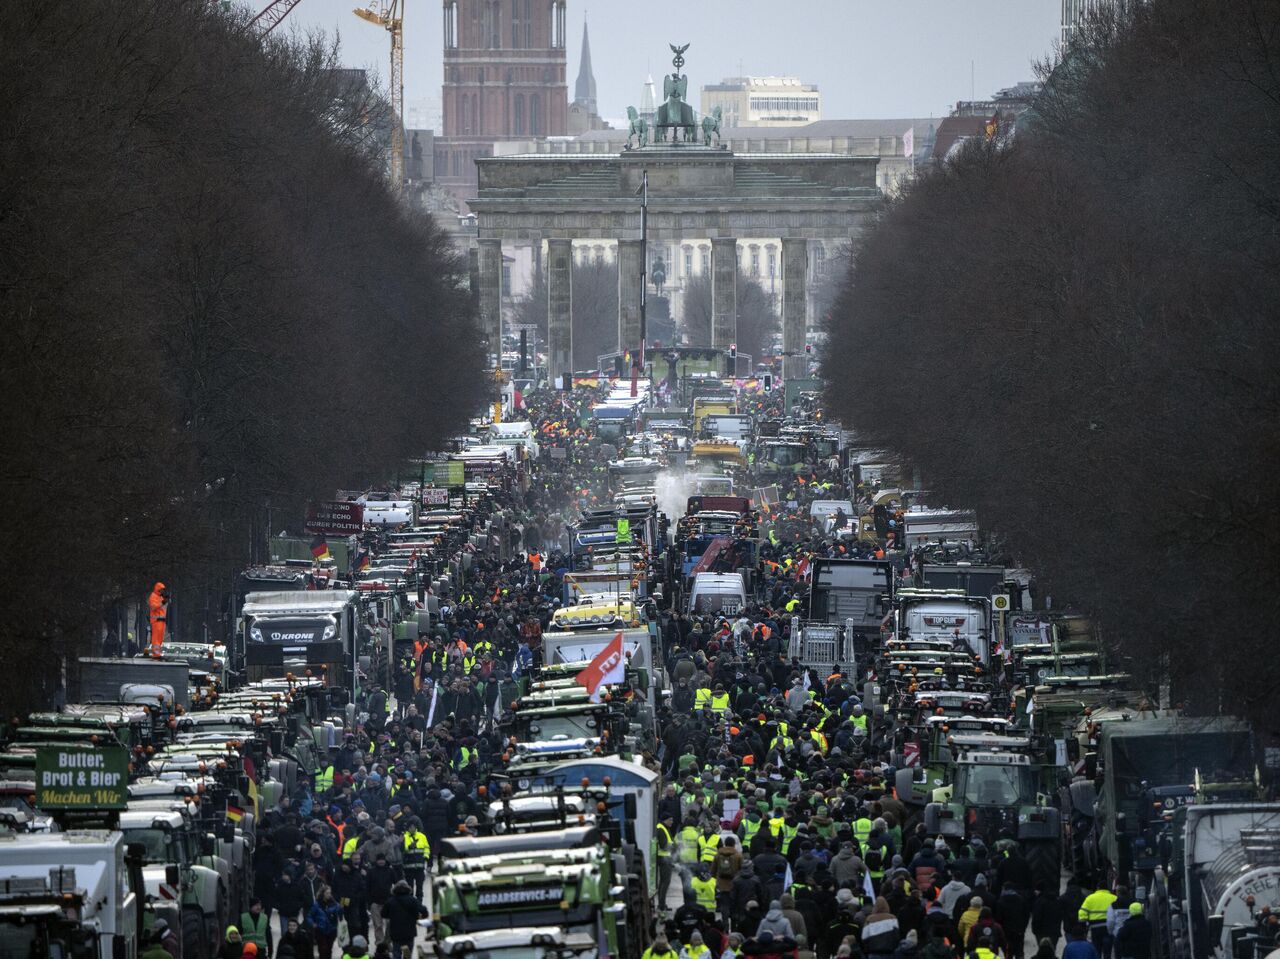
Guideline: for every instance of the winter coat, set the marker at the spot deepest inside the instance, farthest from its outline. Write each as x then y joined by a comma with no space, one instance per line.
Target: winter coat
746,888
324,917
402,913
880,933
725,867
775,922
847,869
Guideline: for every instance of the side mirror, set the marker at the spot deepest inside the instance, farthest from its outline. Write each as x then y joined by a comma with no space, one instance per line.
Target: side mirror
173,876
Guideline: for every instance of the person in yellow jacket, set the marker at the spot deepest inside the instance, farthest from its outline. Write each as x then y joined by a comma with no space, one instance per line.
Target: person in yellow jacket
1093,913
708,843
704,888
702,699
969,917
697,949
661,949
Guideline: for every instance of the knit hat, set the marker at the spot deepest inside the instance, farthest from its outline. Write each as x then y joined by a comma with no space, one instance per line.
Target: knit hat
976,902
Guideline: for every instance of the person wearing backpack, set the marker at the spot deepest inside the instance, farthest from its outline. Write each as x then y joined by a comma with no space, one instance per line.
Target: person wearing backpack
725,868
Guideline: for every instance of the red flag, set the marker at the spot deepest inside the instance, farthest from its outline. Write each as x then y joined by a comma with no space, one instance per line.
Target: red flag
608,667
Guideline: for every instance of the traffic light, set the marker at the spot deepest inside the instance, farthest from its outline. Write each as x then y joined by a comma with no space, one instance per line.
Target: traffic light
768,382
733,351
808,348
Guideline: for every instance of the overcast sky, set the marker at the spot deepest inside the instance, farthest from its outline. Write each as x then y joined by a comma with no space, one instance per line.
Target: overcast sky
870,58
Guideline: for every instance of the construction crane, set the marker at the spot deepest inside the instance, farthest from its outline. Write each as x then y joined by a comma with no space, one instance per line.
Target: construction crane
270,16
388,15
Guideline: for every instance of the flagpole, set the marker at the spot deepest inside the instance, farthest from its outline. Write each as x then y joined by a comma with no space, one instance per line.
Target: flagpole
637,365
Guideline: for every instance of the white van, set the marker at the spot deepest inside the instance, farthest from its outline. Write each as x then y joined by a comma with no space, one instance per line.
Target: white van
722,593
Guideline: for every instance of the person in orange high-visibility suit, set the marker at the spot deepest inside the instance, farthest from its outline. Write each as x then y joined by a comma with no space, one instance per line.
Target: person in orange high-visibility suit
157,606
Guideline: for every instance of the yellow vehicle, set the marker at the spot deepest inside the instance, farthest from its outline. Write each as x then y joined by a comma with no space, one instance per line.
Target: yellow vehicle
703,406
599,615
725,454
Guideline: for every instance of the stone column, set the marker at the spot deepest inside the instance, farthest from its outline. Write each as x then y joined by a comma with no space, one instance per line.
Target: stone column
724,292
559,308
490,269
629,266
795,268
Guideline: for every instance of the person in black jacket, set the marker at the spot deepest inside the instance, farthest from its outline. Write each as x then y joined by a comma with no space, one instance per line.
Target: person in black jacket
380,878
402,912
437,822
1133,941
746,888
1012,914
1046,915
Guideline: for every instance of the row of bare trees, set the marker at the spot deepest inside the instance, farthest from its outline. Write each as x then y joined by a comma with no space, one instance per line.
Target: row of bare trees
211,301
1075,329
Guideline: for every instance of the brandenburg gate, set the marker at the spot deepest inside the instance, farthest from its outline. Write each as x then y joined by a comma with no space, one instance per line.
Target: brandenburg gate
696,190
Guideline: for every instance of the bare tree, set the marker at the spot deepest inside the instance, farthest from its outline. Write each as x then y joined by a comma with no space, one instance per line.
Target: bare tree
1073,331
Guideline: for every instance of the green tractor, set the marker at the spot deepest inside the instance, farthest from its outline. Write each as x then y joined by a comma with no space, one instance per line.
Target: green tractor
997,792
565,878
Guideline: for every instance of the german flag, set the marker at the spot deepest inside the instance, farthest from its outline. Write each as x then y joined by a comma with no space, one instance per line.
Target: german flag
320,548
362,561
234,813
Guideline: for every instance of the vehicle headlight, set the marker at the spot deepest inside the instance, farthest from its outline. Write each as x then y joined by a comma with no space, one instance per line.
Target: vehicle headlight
255,634
330,632
535,728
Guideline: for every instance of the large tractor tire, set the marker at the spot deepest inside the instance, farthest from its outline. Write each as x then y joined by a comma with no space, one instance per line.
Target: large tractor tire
1044,857
195,945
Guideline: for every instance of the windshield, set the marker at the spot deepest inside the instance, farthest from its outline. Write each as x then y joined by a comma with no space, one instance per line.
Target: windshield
785,455
157,843
22,938
982,785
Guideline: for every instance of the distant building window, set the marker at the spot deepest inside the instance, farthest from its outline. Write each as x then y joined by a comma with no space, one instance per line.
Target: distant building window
755,261
773,262
506,278
519,114
688,262
704,257
535,115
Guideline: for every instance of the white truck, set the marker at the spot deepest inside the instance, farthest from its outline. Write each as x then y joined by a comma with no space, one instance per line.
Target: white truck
1222,878
722,594
68,894
921,526
946,615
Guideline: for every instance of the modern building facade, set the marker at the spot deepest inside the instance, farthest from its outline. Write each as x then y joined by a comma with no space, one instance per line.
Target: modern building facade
1076,11
504,79
763,101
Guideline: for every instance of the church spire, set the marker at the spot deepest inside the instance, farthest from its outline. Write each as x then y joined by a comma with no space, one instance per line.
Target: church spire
584,88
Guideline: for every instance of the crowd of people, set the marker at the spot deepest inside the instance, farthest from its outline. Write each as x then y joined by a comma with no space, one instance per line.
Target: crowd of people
779,828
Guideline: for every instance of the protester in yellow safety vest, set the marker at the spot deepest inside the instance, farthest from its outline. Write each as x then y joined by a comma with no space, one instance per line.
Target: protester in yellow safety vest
349,847
859,718
687,845
704,888
702,698
1093,913
661,949
324,781
862,827
697,949
792,604
719,700
708,843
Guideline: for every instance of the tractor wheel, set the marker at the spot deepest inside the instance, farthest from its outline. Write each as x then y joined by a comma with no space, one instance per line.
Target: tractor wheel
1044,856
194,943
